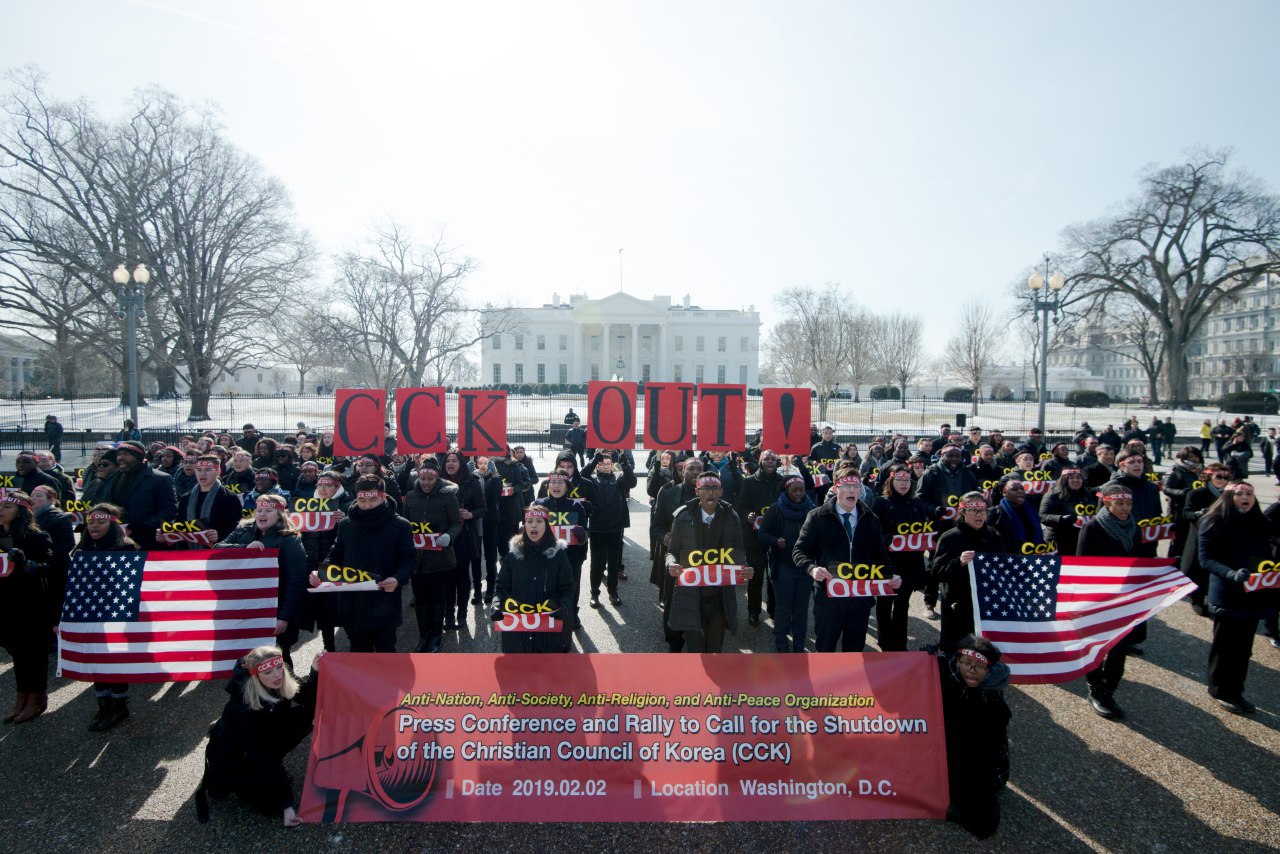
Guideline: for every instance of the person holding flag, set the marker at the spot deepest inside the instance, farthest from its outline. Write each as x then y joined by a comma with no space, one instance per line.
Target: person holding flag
956,549
839,534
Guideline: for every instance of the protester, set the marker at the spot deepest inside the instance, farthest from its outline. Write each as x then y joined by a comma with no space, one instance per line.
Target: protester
608,521
375,542
1113,533
898,506
99,484
210,504
1232,534
573,514
468,548
940,488
1183,476
703,614
535,574
321,611
271,528
24,605
104,533
30,476
844,531
531,474
950,566
268,714
792,587
1199,500
976,720
1015,519
672,497
145,495
58,525
432,504
756,494
1064,508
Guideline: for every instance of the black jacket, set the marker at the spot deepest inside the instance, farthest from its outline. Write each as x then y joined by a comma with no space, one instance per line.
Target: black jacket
148,500
936,488
609,512
1059,513
471,497
688,533
24,604
894,510
538,577
1229,547
824,542
952,575
756,494
226,513
439,509
379,543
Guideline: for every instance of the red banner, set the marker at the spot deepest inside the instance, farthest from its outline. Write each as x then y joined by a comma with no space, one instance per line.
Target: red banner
203,538
611,419
420,420
668,416
482,422
638,737
716,575
722,417
359,421
786,420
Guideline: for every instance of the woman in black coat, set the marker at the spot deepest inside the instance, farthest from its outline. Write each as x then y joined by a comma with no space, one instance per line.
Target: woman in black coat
1184,476
535,574
896,507
1063,508
320,611
1197,504
1113,533
1234,537
792,587
950,566
25,553
268,714
976,718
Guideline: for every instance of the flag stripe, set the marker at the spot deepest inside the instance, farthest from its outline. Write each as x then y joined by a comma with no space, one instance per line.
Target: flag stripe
166,616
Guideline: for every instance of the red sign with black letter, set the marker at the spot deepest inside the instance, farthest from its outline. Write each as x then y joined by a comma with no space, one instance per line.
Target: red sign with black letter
668,416
722,417
786,420
482,422
639,737
611,415
359,421
420,420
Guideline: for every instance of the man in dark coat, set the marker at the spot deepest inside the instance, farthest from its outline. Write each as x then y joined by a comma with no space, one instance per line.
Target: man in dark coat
53,436
609,519
431,505
145,494
704,614
209,503
755,495
55,523
372,544
841,539
30,476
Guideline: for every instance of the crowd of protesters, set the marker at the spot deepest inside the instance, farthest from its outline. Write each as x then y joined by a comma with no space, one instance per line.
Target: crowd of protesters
459,532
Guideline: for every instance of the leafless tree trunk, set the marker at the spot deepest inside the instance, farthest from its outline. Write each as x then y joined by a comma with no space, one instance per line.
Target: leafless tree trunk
975,347
898,349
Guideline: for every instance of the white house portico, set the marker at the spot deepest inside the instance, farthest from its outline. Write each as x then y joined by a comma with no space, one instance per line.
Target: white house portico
624,336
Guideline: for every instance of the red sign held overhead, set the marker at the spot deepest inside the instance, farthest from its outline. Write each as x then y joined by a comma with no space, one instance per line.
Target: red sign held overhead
611,415
722,417
420,420
359,421
668,416
482,422
786,420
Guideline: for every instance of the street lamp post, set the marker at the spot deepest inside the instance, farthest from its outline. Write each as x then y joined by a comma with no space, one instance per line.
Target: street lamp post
131,295
1053,304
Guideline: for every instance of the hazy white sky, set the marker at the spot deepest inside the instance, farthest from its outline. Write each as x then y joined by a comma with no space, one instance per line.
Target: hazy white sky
917,152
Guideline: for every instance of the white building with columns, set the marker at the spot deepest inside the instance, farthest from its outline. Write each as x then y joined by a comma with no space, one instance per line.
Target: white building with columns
627,337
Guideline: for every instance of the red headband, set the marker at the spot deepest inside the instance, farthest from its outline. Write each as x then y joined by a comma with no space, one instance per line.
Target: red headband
268,664
266,503
537,512
709,481
370,493
850,480
1115,496
975,655
13,499
103,516
973,505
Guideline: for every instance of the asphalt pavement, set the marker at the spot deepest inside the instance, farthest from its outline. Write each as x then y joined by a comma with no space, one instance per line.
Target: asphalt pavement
1179,774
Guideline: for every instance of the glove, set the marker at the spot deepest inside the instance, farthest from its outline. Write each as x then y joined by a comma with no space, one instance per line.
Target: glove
579,533
443,540
17,557
1240,576
495,614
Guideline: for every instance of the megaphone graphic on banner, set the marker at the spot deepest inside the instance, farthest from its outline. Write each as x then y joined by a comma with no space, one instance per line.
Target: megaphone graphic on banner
387,764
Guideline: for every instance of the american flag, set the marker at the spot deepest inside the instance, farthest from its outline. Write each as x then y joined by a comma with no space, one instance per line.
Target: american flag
165,616
1054,618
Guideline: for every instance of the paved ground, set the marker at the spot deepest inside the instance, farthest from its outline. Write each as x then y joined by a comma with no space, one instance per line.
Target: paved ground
1179,774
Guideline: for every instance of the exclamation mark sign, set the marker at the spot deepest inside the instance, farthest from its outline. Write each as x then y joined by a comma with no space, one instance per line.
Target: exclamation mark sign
787,406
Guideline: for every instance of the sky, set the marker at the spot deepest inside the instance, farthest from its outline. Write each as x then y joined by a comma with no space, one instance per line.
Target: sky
917,153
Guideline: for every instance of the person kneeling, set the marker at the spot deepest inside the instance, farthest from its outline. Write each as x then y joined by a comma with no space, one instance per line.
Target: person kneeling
269,714
976,718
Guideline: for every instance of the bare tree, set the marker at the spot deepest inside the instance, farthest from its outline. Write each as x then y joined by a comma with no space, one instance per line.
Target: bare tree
403,307
974,349
1191,238
79,195
814,342
304,334
1132,333
897,349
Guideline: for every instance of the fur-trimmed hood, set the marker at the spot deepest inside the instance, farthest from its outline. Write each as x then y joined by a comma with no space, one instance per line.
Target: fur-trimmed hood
517,547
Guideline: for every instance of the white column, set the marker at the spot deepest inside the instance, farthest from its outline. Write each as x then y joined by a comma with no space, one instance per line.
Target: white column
635,352
659,363
575,342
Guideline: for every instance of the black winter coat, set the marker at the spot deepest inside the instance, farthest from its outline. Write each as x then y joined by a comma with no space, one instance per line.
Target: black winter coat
226,514
380,543
535,577
952,575
247,748
438,509
471,497
977,730
24,604
686,535
894,510
609,512
1232,544
824,542
1059,513
756,494
148,501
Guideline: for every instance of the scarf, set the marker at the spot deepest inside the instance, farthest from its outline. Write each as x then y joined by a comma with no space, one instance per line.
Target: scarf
791,510
1123,532
201,508
1022,522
